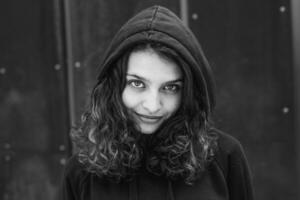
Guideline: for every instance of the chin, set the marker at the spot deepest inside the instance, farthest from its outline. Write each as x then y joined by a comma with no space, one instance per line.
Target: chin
148,130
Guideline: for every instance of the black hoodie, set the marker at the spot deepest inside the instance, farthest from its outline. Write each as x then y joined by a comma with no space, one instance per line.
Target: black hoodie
226,177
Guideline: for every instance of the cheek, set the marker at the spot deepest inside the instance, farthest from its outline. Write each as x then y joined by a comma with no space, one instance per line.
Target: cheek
128,98
173,104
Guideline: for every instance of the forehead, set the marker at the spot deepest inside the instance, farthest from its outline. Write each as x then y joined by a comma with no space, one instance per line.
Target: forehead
149,65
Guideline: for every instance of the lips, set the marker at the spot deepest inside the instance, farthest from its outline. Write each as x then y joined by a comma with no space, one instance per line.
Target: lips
148,118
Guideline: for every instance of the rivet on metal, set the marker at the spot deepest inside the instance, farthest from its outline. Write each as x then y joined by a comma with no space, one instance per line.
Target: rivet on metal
194,16
2,70
7,158
77,64
282,9
285,110
62,161
57,67
7,146
62,147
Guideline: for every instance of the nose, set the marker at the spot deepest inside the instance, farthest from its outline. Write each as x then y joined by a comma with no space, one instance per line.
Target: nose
152,102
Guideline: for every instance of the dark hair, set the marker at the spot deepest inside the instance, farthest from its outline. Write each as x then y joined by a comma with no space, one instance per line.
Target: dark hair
109,145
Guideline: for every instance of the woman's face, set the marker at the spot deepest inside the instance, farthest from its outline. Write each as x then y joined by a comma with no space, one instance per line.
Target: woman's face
153,89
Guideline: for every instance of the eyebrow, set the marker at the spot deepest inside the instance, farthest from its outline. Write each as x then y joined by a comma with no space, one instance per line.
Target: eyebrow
142,78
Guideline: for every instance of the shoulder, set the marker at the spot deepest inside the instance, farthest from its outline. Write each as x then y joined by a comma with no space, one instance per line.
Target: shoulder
230,157
226,143
74,176
74,171
229,152
73,165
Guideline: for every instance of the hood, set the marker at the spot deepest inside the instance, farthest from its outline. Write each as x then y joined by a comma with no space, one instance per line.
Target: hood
158,24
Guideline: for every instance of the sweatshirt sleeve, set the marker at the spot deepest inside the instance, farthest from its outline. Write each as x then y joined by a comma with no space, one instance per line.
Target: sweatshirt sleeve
236,168
239,179
72,180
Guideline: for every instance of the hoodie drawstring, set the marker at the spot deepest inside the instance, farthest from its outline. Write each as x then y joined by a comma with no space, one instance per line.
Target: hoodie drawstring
133,193
170,191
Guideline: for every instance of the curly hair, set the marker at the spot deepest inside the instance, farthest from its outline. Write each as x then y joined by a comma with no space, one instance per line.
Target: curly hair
109,145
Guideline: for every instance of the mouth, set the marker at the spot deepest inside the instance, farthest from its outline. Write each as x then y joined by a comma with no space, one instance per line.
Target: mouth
150,119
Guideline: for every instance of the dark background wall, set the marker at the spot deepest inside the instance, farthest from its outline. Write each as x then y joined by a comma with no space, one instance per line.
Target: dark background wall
49,57
249,46
33,113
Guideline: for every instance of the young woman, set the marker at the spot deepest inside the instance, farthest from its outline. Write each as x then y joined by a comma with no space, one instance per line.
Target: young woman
147,134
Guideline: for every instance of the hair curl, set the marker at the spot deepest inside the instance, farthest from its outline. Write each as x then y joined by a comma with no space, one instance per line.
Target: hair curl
110,146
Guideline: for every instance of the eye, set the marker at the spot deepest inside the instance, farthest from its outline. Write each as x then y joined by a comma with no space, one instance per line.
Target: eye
136,83
172,88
